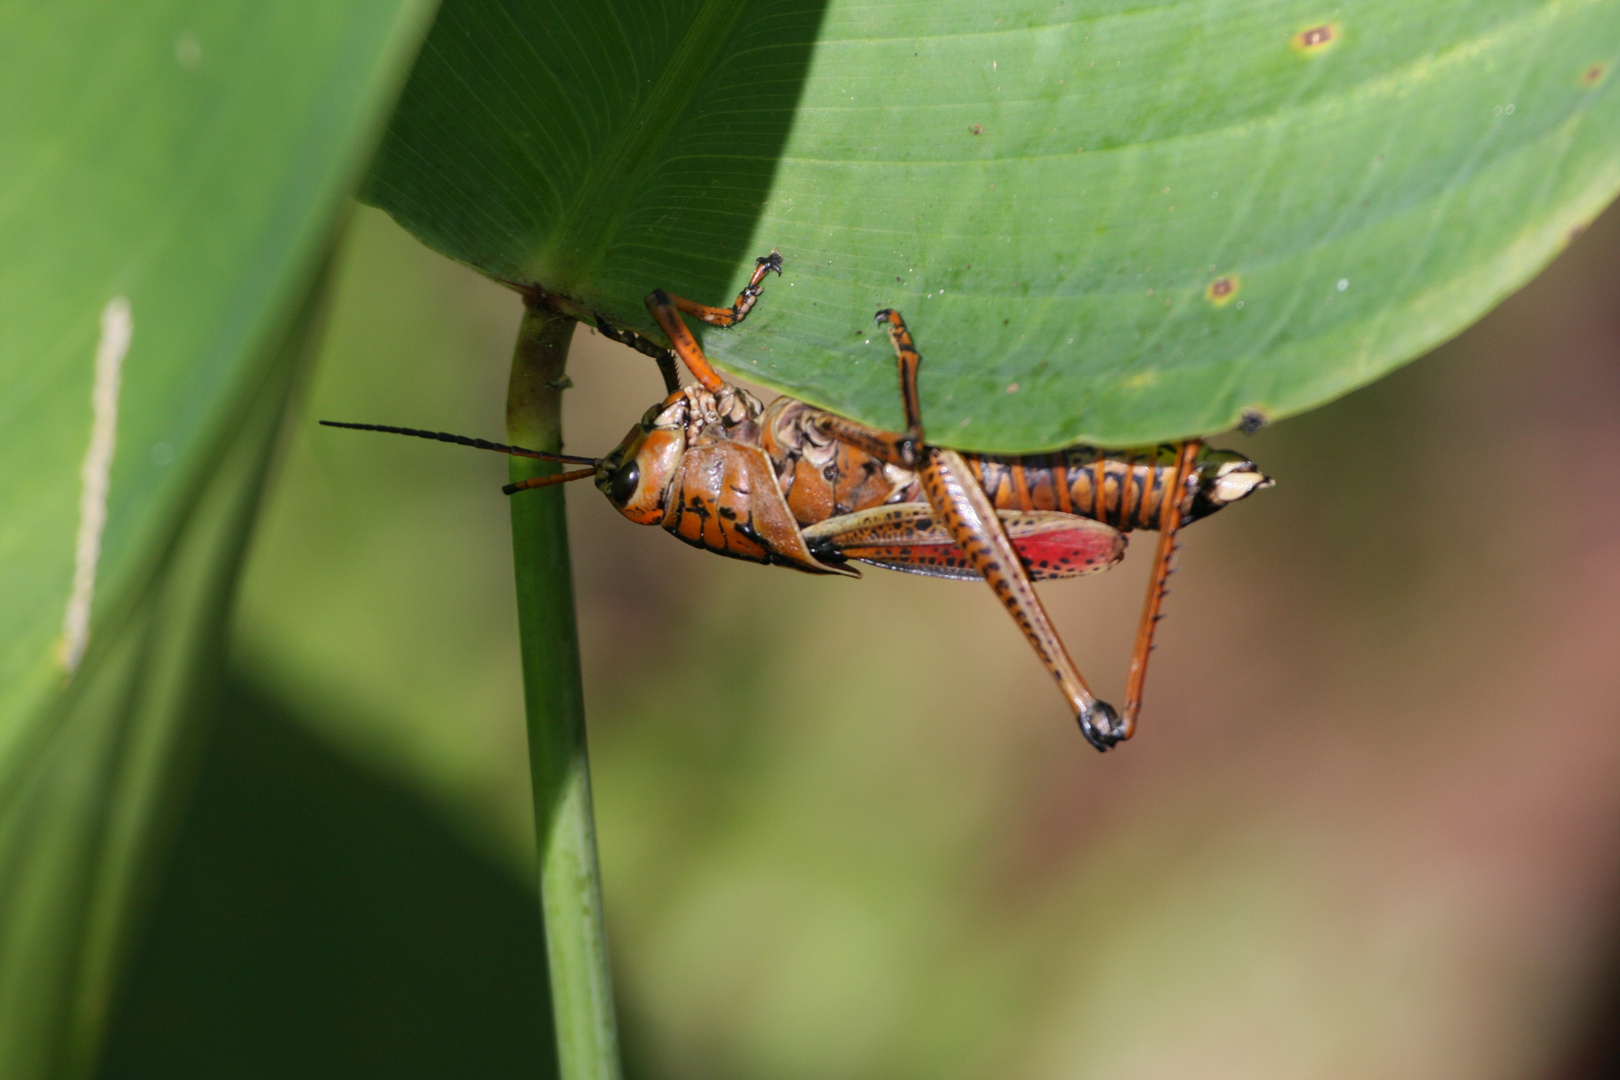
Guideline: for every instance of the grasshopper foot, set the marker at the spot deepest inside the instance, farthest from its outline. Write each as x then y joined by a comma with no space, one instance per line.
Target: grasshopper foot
1101,727
772,262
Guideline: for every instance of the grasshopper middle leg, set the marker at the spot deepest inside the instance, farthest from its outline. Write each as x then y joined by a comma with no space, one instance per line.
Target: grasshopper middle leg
1158,583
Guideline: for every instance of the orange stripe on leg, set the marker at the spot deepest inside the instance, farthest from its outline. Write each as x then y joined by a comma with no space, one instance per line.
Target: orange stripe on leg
1099,484
1020,484
1060,481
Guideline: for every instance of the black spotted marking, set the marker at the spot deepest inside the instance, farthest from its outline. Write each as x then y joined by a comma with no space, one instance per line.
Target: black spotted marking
746,530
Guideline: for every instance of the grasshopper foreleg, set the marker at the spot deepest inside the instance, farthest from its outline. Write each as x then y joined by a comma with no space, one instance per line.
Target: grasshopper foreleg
738,311
667,309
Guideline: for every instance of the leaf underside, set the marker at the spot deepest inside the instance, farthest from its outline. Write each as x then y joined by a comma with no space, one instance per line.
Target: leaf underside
1105,222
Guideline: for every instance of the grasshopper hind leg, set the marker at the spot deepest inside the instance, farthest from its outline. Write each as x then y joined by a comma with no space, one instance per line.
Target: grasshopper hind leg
967,512
1158,581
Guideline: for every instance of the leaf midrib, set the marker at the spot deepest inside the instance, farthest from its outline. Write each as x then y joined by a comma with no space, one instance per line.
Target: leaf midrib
583,234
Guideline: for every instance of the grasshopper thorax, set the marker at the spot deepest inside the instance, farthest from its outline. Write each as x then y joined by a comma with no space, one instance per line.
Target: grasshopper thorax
638,474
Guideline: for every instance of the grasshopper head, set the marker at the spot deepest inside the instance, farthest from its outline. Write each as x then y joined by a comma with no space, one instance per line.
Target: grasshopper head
636,475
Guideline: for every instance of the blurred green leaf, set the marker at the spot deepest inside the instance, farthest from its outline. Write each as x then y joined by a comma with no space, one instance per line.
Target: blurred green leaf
324,621
1105,221
175,174
318,922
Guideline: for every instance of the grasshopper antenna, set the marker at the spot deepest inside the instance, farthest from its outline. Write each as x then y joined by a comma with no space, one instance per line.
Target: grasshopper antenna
499,448
463,440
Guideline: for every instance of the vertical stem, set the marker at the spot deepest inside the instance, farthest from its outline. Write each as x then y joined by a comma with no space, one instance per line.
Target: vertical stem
570,889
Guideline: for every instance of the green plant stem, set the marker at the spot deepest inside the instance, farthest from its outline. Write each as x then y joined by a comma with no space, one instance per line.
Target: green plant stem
570,888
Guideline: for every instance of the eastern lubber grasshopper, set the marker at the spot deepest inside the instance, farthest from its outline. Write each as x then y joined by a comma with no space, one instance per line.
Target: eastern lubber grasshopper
793,485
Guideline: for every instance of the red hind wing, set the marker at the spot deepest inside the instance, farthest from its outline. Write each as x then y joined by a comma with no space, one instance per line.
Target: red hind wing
907,537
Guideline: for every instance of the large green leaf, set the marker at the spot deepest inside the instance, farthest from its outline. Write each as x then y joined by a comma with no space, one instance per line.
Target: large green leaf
174,172
1107,221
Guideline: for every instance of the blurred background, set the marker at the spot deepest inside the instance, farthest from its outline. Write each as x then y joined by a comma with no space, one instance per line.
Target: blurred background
1370,825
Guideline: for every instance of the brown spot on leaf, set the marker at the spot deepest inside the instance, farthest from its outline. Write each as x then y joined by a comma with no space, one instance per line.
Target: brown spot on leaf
1222,289
1316,38
976,129
1593,75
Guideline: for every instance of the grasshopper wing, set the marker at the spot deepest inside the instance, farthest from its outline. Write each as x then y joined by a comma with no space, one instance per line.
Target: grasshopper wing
909,537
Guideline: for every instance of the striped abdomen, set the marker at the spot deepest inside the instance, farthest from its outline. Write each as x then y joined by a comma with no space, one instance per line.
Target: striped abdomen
822,478
1128,489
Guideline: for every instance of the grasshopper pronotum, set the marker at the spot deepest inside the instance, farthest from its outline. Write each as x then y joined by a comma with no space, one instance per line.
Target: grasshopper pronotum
793,485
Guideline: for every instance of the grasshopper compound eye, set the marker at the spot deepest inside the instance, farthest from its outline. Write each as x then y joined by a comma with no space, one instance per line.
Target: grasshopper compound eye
622,488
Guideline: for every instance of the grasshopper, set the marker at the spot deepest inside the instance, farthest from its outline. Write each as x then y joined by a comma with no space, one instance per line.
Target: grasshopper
792,485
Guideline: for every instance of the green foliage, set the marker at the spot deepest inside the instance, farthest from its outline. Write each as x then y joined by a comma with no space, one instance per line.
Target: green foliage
1105,221
175,173
318,922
